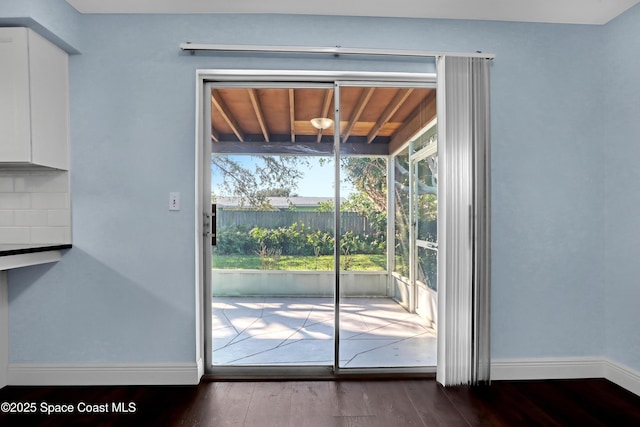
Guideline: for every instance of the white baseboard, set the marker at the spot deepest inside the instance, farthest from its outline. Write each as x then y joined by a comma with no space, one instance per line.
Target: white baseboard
546,368
200,368
566,368
33,374
622,375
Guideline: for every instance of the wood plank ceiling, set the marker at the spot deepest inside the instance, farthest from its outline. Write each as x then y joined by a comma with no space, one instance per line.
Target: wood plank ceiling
369,116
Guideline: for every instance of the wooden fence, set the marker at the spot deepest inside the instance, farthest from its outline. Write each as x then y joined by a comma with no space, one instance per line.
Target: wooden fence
350,221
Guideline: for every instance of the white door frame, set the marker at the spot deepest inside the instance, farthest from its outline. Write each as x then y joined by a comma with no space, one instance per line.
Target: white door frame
203,206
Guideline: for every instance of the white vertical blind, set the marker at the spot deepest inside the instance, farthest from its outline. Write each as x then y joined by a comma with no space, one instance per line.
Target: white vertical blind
481,369
463,220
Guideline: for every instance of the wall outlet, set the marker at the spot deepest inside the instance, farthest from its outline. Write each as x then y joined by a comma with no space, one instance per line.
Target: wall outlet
174,201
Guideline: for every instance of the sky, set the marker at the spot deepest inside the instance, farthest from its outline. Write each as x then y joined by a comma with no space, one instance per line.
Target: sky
317,180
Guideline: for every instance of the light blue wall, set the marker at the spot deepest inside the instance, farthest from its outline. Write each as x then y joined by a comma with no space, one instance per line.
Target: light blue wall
125,292
621,116
55,20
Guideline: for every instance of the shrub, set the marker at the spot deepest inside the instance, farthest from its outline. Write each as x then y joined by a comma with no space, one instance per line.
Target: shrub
290,240
234,240
362,243
321,242
296,239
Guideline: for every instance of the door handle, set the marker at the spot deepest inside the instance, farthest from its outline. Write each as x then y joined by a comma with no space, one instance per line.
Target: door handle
213,222
210,224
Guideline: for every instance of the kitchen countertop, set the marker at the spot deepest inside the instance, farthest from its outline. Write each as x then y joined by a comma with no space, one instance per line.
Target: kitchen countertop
6,250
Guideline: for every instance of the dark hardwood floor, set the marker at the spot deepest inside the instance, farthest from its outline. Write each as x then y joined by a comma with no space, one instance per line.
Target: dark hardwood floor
384,403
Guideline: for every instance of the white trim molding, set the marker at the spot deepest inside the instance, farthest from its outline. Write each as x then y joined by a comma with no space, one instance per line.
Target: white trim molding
566,368
200,368
31,374
34,374
546,368
622,375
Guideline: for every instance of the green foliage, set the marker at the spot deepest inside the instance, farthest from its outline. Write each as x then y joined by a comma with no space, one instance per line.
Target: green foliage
234,240
369,176
297,239
269,257
290,240
321,242
361,243
290,262
362,204
427,268
327,206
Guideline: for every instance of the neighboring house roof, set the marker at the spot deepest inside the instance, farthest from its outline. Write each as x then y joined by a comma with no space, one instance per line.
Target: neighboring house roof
276,202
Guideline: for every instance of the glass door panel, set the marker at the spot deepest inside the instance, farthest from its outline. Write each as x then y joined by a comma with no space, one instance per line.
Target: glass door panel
272,265
377,326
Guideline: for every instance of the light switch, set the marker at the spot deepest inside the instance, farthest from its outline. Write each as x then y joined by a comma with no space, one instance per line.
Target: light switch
174,201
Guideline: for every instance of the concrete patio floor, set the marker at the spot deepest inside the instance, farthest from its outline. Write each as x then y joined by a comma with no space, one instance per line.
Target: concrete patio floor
374,332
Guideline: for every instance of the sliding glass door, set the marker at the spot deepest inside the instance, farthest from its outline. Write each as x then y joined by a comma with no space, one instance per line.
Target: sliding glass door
319,256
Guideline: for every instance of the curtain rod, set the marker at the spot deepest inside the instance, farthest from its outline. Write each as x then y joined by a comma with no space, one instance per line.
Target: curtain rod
337,50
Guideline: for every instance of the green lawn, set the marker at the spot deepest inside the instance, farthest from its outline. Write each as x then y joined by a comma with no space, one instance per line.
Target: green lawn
358,262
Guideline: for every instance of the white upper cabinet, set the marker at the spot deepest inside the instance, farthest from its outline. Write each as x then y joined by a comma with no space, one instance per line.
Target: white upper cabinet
34,100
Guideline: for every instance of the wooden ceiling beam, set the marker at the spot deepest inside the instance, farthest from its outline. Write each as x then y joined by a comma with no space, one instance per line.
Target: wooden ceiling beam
214,134
221,106
292,114
311,148
423,114
253,94
391,109
367,93
326,105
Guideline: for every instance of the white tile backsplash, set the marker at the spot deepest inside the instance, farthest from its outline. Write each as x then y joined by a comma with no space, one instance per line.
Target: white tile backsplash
59,183
49,201
15,235
6,184
6,218
59,218
32,184
47,234
30,217
34,207
15,201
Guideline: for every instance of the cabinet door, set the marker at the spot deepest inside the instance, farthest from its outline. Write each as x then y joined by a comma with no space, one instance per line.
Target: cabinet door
15,137
48,71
